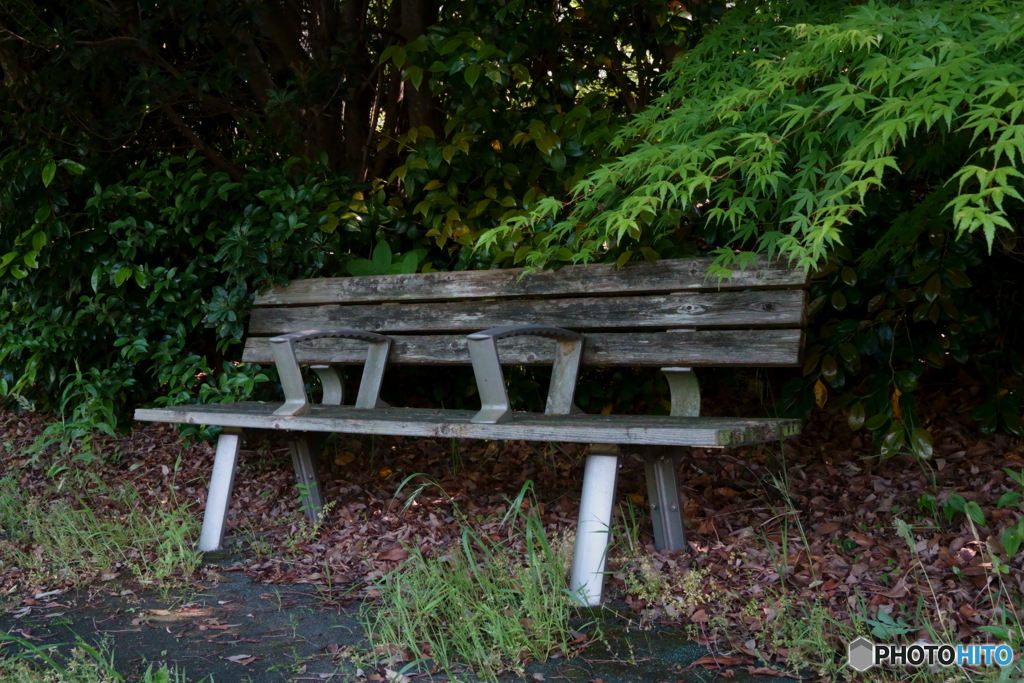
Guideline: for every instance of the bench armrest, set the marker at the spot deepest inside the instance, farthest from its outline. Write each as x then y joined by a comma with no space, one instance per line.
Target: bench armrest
296,402
490,381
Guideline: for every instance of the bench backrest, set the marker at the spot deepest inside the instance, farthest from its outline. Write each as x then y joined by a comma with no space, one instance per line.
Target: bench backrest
627,314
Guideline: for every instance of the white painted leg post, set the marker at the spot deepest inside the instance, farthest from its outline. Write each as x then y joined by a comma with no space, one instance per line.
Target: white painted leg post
593,531
218,499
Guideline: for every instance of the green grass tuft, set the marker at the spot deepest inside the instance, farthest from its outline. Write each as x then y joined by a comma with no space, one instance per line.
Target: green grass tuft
485,605
86,664
74,533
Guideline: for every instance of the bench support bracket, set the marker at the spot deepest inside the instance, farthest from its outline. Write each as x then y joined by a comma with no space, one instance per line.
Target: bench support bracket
330,380
296,402
490,381
218,496
685,390
594,528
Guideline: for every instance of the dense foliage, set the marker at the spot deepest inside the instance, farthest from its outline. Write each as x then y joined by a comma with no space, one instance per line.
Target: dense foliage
137,294
161,162
778,128
880,145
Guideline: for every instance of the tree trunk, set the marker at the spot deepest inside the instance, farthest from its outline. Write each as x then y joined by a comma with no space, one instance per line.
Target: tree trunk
417,17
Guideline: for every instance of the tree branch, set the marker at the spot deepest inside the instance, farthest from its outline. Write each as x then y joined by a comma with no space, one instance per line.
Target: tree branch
417,17
275,23
107,41
8,65
205,100
233,171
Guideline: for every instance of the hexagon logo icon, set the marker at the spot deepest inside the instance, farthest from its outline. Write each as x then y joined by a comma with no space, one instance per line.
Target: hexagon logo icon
861,654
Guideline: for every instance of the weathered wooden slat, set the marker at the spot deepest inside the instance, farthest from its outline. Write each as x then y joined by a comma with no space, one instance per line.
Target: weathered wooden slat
622,429
668,275
701,348
687,309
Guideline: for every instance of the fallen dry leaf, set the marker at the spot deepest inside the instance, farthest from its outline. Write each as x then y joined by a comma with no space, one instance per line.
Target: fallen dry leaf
768,671
717,661
395,677
216,627
860,539
900,590
177,615
394,555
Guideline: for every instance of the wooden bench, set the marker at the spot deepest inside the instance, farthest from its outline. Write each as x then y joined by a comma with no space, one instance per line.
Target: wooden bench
667,315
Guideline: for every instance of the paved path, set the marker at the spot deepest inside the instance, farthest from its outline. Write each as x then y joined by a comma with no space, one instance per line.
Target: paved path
237,630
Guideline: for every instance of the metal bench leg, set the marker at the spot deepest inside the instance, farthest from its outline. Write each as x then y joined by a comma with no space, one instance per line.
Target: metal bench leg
593,531
304,462
663,493
218,498
661,465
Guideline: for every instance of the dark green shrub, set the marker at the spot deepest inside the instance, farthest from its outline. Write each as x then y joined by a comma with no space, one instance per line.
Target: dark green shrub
138,290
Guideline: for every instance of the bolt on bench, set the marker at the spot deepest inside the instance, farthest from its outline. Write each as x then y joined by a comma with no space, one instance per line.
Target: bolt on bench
663,315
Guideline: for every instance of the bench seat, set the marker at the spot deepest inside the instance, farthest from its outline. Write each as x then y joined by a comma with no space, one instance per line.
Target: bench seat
636,430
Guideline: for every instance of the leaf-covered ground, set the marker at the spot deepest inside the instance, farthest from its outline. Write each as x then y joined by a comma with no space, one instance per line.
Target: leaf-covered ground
747,585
